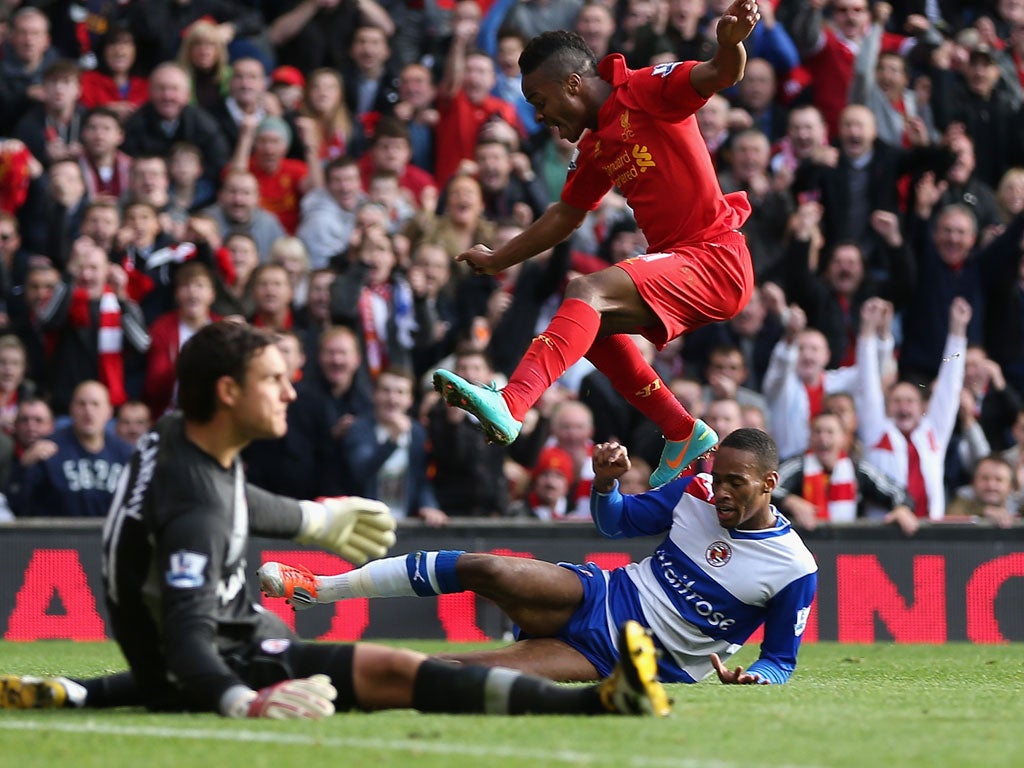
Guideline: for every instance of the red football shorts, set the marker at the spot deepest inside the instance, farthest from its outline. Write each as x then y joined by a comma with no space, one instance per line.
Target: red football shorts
693,286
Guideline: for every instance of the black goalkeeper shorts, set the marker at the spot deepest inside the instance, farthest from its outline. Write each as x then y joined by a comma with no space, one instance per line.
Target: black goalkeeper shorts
277,660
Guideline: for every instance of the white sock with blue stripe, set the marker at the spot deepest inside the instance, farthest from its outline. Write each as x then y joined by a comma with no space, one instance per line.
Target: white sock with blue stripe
425,574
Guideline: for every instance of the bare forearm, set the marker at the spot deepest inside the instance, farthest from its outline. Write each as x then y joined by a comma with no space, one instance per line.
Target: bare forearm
243,149
555,224
454,69
724,69
372,13
288,25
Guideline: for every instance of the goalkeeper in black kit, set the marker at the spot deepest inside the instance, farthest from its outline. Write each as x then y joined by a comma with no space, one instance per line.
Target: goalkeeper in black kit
180,607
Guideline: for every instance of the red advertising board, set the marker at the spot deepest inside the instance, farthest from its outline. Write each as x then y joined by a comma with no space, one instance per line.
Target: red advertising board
947,584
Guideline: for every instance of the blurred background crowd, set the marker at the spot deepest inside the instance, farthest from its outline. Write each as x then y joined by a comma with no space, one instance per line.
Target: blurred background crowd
314,166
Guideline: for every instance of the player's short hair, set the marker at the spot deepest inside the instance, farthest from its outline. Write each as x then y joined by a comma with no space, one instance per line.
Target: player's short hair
223,348
757,442
566,51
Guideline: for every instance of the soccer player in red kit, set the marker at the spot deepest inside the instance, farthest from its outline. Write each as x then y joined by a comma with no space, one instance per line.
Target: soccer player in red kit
641,137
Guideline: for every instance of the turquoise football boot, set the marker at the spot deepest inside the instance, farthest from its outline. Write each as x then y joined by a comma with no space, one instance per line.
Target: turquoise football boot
484,402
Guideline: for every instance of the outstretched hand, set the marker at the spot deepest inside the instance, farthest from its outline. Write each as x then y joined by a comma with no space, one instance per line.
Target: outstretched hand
611,461
737,22
481,259
735,676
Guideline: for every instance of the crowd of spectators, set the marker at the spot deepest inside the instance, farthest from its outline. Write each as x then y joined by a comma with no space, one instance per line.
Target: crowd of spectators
313,166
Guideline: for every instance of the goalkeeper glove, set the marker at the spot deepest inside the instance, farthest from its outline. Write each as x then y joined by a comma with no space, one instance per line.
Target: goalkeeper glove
358,529
310,698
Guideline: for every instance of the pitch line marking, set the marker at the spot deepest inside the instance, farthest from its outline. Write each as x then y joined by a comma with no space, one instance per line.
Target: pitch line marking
571,757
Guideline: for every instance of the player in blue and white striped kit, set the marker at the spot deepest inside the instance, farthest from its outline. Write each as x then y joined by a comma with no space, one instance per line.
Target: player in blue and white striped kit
729,562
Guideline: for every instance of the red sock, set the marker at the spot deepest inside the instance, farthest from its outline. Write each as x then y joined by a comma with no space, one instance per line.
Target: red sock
566,339
618,358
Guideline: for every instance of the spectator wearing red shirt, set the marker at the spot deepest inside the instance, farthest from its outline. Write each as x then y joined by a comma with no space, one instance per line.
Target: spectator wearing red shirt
106,169
828,50
112,84
641,136
193,296
261,150
391,150
465,104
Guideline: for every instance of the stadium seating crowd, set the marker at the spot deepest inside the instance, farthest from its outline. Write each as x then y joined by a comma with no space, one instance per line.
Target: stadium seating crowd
314,166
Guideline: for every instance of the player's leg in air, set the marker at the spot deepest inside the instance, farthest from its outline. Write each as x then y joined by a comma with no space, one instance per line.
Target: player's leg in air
326,676
597,310
547,602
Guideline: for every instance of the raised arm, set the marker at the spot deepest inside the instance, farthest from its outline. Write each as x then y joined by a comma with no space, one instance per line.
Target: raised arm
726,67
868,395
807,26
944,402
782,364
864,83
463,34
619,517
774,43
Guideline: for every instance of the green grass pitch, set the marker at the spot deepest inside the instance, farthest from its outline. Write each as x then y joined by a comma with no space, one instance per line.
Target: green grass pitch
847,705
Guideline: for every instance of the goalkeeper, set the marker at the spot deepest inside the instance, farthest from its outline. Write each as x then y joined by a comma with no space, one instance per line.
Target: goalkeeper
174,572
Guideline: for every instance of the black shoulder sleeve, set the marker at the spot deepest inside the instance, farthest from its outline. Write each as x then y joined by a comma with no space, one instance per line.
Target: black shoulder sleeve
270,515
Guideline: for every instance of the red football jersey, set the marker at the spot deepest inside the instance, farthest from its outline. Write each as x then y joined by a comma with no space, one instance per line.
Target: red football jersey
648,146
280,193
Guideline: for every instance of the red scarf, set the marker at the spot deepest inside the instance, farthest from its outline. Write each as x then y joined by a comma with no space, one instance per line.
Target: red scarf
14,179
916,488
815,397
374,300
834,495
9,409
109,338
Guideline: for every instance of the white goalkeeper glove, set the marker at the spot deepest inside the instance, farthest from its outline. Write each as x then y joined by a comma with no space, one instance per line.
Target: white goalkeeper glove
308,698
358,529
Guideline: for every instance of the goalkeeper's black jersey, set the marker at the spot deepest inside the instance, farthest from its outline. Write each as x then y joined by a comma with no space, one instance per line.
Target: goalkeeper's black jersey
174,567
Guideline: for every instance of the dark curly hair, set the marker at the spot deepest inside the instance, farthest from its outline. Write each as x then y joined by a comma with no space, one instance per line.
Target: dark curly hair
567,50
757,442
